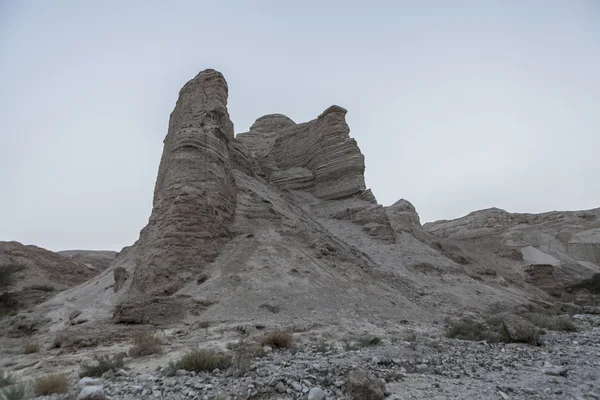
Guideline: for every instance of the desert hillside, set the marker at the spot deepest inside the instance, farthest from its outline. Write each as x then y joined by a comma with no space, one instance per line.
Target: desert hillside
97,259
270,234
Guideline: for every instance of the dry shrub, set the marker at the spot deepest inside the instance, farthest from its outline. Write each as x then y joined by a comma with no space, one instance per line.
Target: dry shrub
369,341
278,339
203,360
31,348
243,354
468,329
144,344
553,323
103,364
7,274
17,391
50,384
6,379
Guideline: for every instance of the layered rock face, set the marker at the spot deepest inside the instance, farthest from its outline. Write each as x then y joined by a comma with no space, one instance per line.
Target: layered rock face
195,194
317,156
562,245
277,224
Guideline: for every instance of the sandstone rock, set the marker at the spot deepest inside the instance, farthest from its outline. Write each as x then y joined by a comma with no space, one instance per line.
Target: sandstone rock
38,267
87,381
321,147
316,394
363,385
120,275
92,393
519,329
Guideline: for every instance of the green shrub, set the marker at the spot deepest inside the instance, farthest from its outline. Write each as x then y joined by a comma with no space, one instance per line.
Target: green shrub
7,274
203,360
31,348
145,343
50,384
324,347
103,364
369,341
278,339
17,391
41,288
243,354
552,323
468,329
6,379
592,284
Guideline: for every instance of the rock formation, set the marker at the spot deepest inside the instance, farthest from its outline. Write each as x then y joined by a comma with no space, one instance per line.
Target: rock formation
97,259
30,275
42,267
194,197
276,225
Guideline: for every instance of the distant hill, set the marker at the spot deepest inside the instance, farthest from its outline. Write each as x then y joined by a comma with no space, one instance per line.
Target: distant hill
97,259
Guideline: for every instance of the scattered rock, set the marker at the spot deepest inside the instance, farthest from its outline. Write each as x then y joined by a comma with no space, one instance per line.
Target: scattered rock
519,329
92,393
363,385
316,394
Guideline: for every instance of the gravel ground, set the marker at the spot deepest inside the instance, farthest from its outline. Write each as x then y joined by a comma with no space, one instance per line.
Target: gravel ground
566,366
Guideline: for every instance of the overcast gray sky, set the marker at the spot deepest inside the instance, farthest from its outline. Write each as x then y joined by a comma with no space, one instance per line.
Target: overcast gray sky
457,105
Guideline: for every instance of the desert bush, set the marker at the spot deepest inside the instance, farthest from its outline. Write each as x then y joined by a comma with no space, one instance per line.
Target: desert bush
42,288
6,379
468,329
17,391
324,347
369,341
31,348
243,354
103,364
552,323
592,284
7,274
278,339
145,343
50,384
411,336
202,360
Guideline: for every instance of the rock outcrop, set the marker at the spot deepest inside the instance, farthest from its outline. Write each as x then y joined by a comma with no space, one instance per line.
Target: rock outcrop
97,259
195,194
568,242
41,267
276,226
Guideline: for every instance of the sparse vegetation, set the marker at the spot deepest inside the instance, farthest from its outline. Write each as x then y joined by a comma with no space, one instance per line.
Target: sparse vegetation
50,384
468,329
144,344
7,274
369,341
243,353
202,360
103,364
278,339
324,347
411,336
592,284
6,379
17,391
42,288
552,323
31,348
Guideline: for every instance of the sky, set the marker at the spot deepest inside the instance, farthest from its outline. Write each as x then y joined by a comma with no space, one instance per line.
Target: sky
456,105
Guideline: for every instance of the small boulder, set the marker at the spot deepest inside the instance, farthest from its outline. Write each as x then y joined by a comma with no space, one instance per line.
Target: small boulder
316,394
87,381
519,330
363,385
92,393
